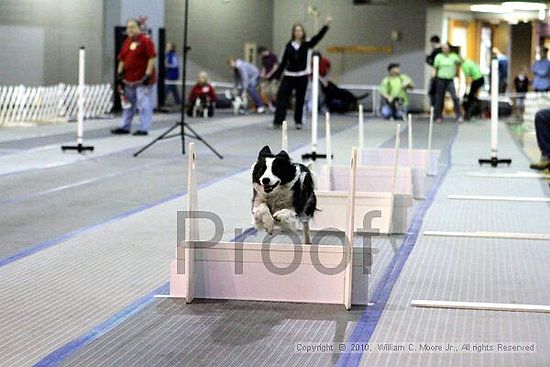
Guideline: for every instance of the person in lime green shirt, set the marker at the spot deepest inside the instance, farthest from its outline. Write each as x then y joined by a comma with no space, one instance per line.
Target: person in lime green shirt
473,75
446,66
393,90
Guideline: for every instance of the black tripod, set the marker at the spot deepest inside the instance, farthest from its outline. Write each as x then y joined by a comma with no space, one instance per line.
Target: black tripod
181,124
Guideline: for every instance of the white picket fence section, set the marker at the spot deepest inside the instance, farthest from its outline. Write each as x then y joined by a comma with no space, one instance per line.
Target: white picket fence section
20,104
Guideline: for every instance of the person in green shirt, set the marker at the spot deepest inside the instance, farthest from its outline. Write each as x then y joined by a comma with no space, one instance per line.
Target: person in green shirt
446,66
393,90
473,75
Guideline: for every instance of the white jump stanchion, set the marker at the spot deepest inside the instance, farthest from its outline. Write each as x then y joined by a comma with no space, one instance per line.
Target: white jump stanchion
430,130
361,127
410,134
313,155
350,231
430,133
395,168
494,161
328,140
79,147
284,136
410,138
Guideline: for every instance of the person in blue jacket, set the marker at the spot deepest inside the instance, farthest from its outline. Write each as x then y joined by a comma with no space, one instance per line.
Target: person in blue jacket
172,69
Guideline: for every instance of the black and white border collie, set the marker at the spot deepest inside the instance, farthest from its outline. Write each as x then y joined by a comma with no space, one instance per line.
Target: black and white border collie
283,193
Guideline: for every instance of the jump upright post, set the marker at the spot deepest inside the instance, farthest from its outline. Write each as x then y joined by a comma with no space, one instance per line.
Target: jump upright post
80,147
494,161
313,155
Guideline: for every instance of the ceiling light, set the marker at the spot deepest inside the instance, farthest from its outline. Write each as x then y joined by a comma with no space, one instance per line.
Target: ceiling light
523,5
490,8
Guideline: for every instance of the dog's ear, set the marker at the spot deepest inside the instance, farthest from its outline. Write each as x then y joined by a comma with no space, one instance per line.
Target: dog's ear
265,152
284,155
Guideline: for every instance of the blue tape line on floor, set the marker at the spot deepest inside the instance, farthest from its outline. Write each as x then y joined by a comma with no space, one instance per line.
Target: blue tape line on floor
49,243
60,354
57,356
369,318
44,245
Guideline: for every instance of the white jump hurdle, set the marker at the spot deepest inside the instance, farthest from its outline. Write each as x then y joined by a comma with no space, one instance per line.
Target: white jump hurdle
203,269
387,189
423,162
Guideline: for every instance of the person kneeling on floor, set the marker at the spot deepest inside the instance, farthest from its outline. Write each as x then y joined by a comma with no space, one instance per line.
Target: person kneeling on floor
393,89
542,127
202,97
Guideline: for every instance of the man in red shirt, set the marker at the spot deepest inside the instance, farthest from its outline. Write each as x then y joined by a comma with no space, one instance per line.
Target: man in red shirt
136,73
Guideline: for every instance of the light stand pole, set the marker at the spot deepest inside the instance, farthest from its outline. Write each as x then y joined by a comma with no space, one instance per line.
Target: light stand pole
182,124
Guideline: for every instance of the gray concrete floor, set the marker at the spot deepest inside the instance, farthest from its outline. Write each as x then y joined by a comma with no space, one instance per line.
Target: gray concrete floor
75,289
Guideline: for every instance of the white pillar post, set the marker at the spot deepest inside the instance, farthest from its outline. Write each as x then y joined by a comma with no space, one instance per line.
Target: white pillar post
361,131
328,140
494,108
81,86
315,104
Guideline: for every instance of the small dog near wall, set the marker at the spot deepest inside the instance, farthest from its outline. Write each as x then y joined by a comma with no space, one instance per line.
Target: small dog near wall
283,193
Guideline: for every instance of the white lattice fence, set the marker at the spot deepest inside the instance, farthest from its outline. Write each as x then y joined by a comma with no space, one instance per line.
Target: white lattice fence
22,104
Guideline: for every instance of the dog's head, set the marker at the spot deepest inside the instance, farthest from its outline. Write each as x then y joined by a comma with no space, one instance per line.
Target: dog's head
270,172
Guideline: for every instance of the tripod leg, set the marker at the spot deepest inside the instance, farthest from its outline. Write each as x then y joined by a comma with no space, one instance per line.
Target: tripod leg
160,137
198,137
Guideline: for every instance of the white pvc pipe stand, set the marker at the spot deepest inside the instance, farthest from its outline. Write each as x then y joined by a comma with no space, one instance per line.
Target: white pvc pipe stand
284,136
494,108
80,116
328,141
430,130
315,104
361,127
394,178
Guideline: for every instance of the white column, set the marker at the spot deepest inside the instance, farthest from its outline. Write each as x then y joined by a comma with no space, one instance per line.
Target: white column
494,108
315,103
81,86
328,141
361,131
430,130
410,121
284,136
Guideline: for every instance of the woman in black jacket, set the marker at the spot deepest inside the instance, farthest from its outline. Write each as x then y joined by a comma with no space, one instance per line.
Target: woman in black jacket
294,68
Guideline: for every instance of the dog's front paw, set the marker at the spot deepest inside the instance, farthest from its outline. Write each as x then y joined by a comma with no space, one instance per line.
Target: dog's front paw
263,219
286,218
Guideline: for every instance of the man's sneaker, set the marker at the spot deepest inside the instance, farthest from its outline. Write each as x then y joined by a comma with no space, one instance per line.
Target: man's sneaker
439,121
543,164
260,109
141,133
120,131
299,126
460,119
